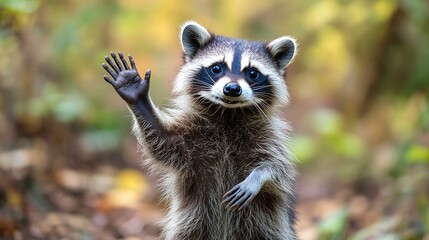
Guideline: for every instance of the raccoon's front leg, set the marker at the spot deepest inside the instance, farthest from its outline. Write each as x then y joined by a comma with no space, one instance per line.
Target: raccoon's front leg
134,90
243,193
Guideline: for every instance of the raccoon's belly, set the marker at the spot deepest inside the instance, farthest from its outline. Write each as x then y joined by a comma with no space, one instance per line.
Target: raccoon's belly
215,165
201,215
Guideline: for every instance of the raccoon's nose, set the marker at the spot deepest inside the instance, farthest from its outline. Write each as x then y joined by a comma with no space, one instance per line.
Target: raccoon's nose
232,89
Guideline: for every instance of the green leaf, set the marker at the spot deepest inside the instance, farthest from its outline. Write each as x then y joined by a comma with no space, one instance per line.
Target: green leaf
101,140
326,122
417,153
24,6
348,145
303,147
70,107
380,230
333,227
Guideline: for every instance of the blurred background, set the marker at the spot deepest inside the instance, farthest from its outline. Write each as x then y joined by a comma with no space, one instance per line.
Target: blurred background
359,87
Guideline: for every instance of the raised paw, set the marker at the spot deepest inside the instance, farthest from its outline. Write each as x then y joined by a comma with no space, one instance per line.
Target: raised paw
240,195
125,79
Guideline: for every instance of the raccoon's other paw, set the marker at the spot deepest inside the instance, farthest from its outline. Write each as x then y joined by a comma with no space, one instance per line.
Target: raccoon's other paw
126,81
241,194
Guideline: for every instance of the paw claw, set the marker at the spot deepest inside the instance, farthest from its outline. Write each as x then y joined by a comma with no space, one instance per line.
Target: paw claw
240,196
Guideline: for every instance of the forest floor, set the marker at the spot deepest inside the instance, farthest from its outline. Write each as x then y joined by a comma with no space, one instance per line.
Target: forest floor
42,200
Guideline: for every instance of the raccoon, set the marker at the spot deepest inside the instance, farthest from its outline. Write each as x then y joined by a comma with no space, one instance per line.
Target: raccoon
221,147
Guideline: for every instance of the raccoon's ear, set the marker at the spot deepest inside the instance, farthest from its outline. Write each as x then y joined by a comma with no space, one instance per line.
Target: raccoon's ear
193,36
283,50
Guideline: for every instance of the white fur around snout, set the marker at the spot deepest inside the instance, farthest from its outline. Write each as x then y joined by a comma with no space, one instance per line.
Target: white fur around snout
216,94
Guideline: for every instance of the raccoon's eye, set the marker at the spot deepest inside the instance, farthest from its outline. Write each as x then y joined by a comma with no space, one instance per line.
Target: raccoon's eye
253,74
216,69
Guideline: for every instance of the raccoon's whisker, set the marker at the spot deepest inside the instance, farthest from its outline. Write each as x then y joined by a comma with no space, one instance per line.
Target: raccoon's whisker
262,103
261,87
266,107
264,95
217,109
199,80
261,110
202,84
200,99
209,75
265,85
242,110
223,111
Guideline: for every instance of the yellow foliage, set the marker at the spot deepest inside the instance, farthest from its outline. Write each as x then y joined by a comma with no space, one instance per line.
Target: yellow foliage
14,198
357,12
383,9
131,180
321,13
123,198
329,57
130,185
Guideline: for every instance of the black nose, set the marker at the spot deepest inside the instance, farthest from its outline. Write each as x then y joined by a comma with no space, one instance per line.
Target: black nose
232,89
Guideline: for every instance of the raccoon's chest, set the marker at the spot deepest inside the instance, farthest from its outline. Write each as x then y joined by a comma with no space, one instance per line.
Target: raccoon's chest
219,158
230,150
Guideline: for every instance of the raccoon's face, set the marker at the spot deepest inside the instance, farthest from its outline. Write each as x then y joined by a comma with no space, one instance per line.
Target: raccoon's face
233,73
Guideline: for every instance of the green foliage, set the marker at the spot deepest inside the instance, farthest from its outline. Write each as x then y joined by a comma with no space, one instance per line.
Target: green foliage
422,204
334,226
102,140
378,231
20,6
328,137
14,14
65,107
330,130
304,148
417,153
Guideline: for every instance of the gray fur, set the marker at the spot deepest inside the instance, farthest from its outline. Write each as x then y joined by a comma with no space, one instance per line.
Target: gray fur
203,150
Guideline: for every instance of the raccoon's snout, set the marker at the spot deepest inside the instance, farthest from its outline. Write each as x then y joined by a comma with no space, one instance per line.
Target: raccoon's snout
232,89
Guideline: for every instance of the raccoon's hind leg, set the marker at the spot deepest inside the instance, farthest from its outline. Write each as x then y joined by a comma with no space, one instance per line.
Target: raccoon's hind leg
165,145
